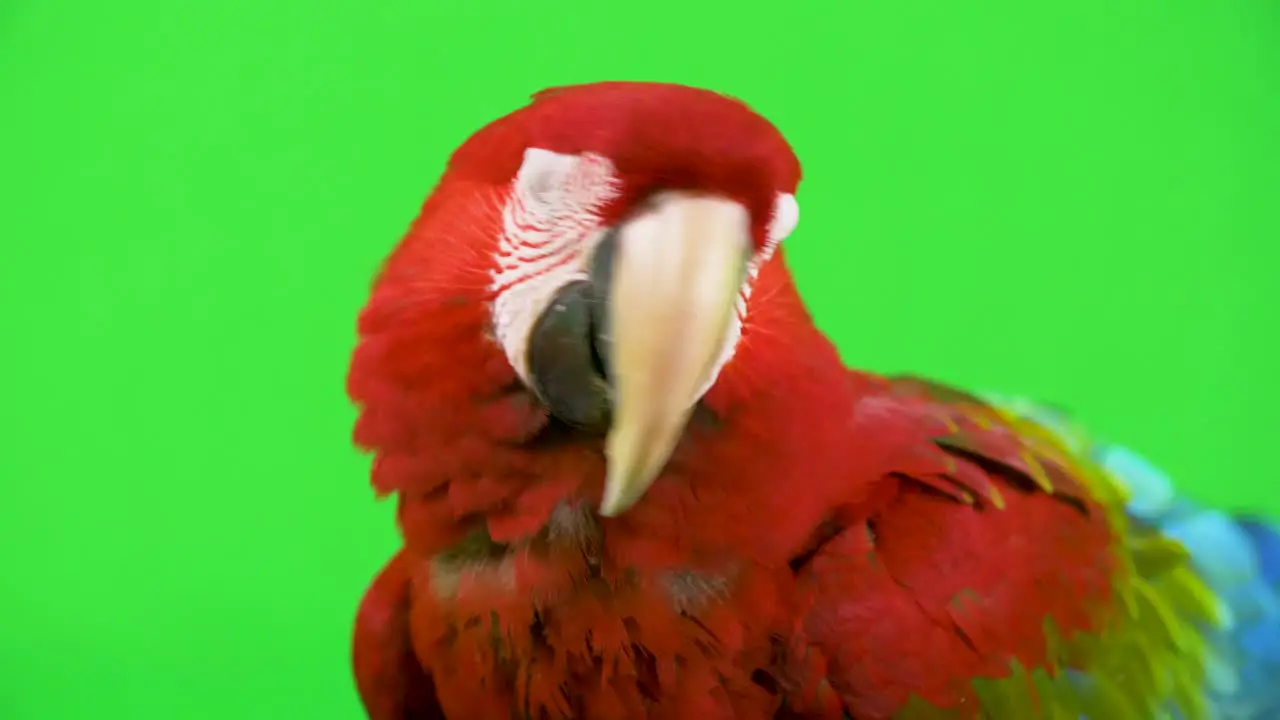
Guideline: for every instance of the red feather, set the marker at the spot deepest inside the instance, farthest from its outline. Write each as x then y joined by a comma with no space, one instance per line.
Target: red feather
922,595
388,675
821,541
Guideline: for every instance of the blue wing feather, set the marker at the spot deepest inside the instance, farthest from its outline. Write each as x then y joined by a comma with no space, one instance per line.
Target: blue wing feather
1238,556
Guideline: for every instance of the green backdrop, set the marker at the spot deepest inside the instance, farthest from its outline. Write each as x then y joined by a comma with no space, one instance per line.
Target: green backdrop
1072,199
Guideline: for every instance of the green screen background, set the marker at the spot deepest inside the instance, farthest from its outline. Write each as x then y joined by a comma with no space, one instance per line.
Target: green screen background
1071,199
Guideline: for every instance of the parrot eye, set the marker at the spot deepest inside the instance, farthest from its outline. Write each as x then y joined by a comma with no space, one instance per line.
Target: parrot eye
786,214
553,185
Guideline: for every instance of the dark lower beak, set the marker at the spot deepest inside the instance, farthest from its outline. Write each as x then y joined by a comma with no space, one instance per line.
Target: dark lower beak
569,346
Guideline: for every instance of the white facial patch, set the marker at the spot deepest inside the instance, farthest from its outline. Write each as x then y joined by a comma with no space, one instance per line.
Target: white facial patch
551,224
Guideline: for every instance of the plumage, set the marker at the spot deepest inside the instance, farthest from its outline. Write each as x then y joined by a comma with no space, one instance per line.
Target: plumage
1238,557
812,542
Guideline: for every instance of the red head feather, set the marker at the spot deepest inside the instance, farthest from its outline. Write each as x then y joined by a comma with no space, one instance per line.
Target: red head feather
659,137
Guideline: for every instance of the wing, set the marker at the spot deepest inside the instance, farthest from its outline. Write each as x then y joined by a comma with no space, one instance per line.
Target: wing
391,682
1238,557
998,574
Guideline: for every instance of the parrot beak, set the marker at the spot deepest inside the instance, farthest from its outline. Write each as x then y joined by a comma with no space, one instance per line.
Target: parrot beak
673,280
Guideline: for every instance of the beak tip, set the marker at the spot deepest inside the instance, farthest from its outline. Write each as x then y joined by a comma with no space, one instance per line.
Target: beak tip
615,501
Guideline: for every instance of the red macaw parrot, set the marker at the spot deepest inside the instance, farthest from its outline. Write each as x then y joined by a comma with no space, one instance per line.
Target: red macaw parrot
634,480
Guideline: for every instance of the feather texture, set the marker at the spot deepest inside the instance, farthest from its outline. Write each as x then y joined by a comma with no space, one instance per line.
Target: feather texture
1238,557
822,541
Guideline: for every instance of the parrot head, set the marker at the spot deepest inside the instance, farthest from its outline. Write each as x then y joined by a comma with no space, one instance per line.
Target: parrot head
597,262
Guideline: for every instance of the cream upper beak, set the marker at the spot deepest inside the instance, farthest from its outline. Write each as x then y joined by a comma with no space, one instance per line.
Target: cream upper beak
677,272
